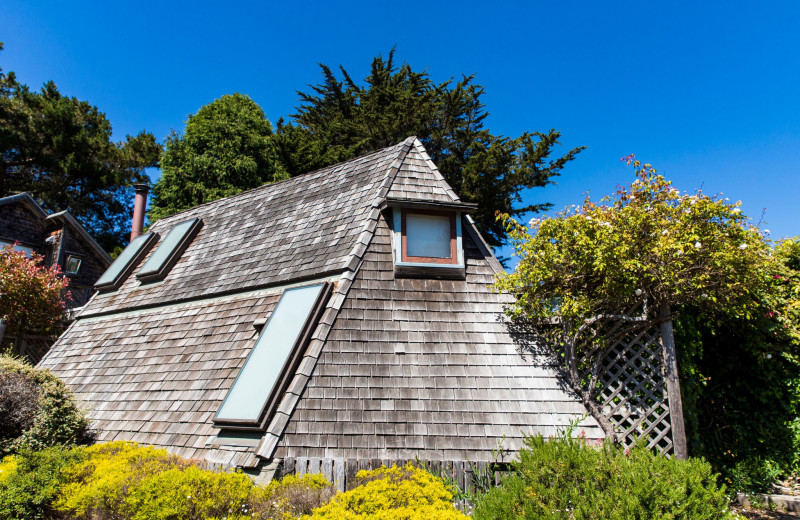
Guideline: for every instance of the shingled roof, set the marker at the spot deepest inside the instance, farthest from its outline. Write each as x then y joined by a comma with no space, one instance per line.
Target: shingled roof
395,368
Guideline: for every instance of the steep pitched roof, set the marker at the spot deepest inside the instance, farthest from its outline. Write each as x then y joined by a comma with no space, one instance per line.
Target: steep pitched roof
298,228
154,361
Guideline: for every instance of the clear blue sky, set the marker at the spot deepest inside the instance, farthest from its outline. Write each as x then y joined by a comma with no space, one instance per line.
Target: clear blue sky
706,91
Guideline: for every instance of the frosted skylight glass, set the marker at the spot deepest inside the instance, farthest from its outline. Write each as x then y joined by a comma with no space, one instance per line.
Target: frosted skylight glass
158,260
428,235
262,370
116,269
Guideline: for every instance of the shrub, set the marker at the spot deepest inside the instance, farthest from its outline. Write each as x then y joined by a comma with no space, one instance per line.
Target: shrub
31,481
407,493
32,297
292,496
99,486
567,478
190,494
37,410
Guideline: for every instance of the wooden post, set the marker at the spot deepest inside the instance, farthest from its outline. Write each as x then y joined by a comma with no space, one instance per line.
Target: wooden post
673,386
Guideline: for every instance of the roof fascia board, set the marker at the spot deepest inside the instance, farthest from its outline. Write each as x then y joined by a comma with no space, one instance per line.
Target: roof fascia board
273,288
65,216
394,202
26,199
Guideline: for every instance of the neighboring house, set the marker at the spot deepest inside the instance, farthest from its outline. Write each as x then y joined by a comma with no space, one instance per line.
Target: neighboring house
59,238
335,320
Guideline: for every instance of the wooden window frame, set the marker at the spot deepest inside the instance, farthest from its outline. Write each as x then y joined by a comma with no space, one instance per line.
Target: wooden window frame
80,263
453,259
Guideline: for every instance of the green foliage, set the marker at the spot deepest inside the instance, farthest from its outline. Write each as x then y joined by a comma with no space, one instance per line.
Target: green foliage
343,119
649,241
406,493
59,150
32,297
56,420
740,379
567,478
227,148
31,481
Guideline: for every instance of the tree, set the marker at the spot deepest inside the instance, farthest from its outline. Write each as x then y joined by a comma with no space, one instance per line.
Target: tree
227,148
649,248
59,150
32,297
339,120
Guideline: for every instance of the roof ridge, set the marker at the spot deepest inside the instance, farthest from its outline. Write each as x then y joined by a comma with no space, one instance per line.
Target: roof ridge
269,185
436,173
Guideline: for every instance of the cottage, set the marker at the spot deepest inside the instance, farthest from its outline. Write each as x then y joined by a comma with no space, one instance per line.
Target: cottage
59,238
335,320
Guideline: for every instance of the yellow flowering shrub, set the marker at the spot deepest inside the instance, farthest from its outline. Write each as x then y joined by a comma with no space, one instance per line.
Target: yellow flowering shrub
102,481
407,493
190,493
7,467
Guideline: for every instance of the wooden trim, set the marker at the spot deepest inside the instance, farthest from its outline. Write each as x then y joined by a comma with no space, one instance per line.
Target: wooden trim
453,259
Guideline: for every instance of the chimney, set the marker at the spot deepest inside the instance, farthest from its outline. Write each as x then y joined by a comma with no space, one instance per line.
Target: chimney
139,205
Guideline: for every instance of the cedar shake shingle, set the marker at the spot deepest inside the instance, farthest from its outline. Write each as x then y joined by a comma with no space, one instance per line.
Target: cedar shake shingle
396,368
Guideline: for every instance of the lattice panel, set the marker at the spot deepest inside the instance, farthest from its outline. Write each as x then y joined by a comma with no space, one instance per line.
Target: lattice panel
633,388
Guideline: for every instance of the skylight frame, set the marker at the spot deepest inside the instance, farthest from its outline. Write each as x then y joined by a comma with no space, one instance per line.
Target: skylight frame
148,273
288,369
144,244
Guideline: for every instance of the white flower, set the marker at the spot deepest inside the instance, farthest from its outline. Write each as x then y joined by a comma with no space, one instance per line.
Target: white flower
704,296
736,210
638,292
698,245
743,246
680,252
664,232
766,231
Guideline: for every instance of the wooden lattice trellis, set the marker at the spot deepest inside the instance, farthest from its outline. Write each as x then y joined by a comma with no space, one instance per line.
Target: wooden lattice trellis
637,386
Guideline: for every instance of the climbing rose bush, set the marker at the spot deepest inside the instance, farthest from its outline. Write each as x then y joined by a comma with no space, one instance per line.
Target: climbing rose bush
648,240
32,296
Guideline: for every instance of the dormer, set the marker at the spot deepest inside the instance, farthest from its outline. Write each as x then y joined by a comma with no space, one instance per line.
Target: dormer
427,238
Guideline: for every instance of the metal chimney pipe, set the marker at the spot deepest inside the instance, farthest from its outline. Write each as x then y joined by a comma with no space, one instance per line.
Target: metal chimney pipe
139,205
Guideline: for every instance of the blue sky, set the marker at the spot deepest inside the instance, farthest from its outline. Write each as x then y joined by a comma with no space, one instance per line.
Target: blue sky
707,92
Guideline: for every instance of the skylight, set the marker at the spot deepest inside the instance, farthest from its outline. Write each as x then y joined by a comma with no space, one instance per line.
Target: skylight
272,360
169,251
126,261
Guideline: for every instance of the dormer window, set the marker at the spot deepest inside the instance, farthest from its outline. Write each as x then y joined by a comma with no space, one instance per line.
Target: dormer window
427,239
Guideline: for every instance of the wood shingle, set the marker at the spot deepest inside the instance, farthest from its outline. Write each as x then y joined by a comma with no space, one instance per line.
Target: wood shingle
394,368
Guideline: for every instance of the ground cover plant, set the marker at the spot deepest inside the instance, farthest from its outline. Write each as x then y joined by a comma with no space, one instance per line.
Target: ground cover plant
125,481
567,478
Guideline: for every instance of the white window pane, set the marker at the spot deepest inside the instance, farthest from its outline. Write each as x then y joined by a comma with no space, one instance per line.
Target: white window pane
263,367
428,235
157,260
122,261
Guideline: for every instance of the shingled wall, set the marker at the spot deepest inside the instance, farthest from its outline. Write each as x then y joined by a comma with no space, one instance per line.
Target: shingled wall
425,368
